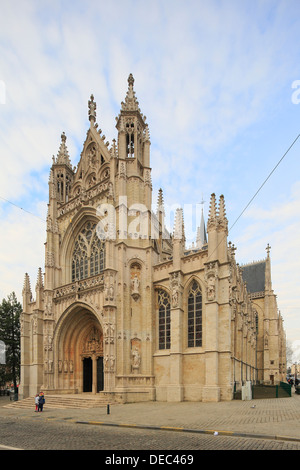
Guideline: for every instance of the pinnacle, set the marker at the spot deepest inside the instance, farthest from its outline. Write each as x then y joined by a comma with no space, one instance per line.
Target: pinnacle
222,211
131,103
26,286
179,225
39,282
63,155
213,207
160,202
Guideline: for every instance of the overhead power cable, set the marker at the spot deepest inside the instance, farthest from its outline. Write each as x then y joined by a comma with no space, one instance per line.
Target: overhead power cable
21,208
262,185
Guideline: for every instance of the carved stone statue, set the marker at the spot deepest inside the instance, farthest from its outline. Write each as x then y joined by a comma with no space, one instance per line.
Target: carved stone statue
136,360
135,285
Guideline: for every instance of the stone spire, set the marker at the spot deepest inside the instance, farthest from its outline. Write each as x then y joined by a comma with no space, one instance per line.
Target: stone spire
201,233
268,280
39,289
160,203
39,281
222,214
212,216
63,155
131,103
26,292
26,285
178,232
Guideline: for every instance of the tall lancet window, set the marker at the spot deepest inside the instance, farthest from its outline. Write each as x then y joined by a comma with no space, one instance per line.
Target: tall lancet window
194,315
164,320
130,139
89,253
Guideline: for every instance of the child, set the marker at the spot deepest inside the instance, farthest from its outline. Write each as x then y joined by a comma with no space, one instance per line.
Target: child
36,400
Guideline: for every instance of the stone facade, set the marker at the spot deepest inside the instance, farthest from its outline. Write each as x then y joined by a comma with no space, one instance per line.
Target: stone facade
123,308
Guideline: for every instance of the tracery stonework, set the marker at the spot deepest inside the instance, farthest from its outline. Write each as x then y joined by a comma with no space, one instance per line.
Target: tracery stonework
93,343
125,308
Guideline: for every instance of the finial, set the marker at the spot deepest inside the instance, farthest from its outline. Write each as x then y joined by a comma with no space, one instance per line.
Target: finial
131,103
268,250
92,109
130,80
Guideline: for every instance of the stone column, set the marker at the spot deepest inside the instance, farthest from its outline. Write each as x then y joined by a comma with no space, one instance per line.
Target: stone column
175,388
94,383
211,390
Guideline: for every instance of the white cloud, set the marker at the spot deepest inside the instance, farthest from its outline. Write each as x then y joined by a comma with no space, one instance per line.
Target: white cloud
212,77
279,226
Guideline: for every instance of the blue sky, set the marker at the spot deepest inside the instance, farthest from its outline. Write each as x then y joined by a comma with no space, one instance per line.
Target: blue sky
215,80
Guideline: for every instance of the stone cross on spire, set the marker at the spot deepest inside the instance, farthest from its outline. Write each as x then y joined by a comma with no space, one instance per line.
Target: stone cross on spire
92,110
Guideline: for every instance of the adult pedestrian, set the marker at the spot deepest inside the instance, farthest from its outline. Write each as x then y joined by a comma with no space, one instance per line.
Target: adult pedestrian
41,401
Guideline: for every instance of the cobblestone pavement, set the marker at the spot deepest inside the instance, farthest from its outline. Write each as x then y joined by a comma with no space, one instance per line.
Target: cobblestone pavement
255,424
56,434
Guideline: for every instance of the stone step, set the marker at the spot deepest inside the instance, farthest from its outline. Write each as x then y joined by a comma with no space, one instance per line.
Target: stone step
63,402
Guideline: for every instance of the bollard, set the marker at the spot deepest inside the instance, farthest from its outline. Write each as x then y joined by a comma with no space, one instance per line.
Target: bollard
108,409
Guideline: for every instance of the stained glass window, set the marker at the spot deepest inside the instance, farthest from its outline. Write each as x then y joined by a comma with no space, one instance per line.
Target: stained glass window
164,320
194,315
89,253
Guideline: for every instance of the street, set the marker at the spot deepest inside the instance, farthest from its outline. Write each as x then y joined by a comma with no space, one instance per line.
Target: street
38,433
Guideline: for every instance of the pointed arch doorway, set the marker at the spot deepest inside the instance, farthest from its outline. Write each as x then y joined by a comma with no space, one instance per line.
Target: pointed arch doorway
79,349
92,361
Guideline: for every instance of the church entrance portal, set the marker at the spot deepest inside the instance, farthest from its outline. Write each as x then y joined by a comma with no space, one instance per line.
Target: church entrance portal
89,384
80,352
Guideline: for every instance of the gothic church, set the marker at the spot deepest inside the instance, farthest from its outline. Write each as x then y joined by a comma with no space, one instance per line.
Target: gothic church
124,310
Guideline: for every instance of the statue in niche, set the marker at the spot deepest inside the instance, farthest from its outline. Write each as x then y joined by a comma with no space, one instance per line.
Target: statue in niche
211,277
136,360
135,287
211,288
175,295
106,362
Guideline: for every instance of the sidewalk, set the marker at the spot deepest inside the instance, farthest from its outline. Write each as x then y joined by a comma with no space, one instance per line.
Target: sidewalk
266,418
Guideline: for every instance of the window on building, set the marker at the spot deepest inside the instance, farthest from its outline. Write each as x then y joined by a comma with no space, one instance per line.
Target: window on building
89,253
130,139
164,320
194,315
